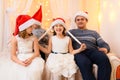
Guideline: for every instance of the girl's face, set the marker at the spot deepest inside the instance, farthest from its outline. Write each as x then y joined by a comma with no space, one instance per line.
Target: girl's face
29,29
58,28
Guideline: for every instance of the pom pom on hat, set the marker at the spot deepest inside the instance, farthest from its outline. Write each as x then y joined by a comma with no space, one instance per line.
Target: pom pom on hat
58,21
81,13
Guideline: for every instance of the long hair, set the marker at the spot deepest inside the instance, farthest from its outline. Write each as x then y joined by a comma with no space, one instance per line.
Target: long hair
23,34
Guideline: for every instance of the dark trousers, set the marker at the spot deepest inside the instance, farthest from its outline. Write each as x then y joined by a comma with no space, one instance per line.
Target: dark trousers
87,58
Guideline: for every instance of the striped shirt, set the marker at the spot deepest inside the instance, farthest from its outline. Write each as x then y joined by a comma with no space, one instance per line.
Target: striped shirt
91,38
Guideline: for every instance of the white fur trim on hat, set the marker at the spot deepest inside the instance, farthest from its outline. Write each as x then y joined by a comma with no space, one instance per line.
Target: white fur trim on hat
37,22
57,22
28,24
81,13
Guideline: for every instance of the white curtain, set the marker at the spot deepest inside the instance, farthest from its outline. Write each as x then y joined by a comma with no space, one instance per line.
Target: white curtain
65,9
1,24
110,24
12,9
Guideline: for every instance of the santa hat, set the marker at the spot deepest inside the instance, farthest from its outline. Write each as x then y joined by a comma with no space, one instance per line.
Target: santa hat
23,22
38,16
81,13
58,21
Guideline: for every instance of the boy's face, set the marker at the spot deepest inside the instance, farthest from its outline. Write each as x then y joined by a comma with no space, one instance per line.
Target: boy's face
81,22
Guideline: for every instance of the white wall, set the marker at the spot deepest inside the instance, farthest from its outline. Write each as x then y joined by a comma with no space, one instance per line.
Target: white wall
1,24
110,23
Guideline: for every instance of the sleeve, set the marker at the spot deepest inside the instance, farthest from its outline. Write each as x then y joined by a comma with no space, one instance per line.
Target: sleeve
100,42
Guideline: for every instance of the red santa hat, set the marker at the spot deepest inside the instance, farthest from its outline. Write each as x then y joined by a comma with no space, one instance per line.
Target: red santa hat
81,13
38,16
58,21
25,21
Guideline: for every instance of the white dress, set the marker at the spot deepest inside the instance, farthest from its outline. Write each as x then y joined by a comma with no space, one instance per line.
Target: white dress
14,71
59,62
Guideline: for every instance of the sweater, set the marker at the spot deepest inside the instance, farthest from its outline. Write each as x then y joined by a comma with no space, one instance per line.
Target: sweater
90,37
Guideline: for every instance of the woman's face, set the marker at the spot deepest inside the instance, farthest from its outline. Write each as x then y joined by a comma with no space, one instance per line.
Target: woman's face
29,29
58,28
81,22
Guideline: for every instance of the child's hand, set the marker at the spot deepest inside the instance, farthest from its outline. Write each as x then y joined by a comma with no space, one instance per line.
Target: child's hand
28,61
22,63
83,47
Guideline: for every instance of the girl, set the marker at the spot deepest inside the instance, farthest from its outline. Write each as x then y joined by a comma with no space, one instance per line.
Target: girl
60,62
28,65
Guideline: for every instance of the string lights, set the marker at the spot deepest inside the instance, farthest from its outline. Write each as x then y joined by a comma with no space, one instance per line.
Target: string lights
47,15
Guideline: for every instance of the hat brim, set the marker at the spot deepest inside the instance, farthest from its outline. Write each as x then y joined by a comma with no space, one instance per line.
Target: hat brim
58,22
28,24
81,13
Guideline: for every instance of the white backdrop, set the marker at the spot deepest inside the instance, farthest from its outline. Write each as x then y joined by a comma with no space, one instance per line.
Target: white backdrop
110,23
1,24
